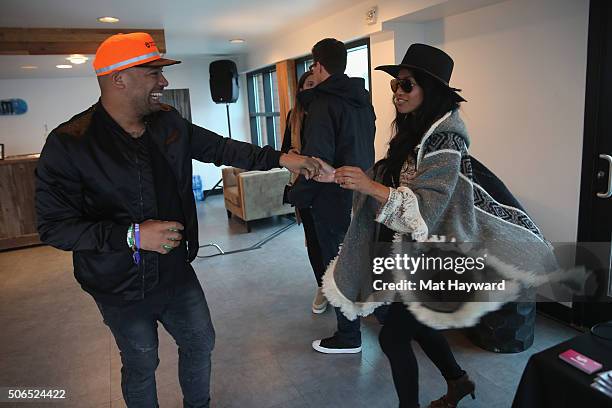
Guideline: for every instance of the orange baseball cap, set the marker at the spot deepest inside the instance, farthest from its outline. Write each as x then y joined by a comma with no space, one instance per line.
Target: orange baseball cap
122,51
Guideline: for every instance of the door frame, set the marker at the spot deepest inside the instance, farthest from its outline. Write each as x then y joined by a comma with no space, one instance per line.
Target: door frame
581,314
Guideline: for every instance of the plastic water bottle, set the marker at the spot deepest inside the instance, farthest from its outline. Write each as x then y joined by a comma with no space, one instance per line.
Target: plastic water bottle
196,186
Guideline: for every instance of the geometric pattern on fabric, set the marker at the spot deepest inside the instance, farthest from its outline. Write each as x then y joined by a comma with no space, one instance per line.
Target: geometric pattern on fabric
444,141
482,199
485,202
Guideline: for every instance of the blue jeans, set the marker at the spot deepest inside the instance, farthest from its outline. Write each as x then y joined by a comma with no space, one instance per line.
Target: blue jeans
184,313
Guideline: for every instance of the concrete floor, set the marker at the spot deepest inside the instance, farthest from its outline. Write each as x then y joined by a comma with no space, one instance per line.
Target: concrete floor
53,336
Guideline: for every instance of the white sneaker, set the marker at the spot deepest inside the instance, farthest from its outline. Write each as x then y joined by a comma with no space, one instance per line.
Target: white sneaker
319,303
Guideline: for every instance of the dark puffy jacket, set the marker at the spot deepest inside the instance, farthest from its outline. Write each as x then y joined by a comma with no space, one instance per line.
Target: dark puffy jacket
89,189
340,130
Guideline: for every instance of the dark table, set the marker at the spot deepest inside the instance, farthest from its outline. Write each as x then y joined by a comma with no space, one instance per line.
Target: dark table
549,382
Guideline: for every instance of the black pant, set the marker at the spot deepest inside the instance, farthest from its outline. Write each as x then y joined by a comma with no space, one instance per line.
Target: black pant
312,245
395,337
184,313
322,242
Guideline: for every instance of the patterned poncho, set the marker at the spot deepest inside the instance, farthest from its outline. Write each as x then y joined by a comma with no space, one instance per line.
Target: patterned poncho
439,200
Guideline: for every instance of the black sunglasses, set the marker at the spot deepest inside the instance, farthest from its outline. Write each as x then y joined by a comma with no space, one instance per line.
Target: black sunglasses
406,84
312,65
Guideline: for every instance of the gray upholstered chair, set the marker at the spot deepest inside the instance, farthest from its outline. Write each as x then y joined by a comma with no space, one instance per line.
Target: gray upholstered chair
252,195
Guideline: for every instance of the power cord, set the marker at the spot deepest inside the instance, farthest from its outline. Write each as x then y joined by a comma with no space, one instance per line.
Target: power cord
603,330
253,247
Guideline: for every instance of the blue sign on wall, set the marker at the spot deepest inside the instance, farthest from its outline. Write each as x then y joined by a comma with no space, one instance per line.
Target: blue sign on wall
13,106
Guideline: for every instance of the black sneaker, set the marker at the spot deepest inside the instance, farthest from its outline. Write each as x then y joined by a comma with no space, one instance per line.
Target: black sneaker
332,345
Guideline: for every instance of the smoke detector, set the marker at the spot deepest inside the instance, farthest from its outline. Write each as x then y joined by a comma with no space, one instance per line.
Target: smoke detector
372,15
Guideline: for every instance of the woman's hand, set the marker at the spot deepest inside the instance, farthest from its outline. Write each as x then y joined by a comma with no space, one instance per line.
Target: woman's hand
326,174
353,178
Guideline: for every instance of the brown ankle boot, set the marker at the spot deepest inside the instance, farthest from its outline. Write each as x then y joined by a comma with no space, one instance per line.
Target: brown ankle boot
455,391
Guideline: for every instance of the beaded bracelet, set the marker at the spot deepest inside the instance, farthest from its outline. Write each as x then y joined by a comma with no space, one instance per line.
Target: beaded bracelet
136,254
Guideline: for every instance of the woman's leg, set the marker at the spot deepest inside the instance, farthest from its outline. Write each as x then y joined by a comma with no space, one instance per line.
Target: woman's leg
395,338
436,347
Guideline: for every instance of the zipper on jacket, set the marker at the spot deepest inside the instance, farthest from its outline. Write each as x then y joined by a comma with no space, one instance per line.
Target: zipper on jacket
141,269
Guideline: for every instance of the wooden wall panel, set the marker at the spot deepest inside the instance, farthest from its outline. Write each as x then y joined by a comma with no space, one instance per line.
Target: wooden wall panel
63,41
287,84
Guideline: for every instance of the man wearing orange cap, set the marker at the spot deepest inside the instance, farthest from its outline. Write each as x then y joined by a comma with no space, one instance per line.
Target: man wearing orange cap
114,187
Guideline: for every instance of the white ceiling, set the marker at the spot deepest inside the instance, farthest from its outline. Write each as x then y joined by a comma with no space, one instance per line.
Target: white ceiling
191,26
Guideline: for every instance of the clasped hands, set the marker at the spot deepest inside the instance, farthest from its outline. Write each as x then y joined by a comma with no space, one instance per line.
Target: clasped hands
352,178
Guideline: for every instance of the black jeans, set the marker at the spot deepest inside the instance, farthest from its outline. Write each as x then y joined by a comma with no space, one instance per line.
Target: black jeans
323,241
312,245
184,313
395,337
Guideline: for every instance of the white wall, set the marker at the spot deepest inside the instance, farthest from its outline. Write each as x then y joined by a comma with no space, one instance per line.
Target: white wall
50,102
55,100
193,74
522,65
381,47
346,25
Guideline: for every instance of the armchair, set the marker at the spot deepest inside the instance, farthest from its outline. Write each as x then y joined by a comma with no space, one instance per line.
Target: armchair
252,195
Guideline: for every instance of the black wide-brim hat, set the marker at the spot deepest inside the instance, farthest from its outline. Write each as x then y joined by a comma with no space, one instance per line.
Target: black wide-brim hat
430,60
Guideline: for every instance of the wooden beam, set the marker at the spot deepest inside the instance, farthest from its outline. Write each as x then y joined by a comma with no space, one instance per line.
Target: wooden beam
63,41
287,85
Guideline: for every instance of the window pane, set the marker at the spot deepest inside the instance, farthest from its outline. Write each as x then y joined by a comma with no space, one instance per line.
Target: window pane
264,107
357,64
277,133
274,90
259,95
262,130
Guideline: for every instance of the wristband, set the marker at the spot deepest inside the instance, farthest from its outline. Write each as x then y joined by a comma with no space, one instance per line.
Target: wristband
136,254
130,237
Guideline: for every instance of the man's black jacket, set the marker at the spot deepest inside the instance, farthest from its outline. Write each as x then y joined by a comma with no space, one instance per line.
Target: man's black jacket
340,130
89,189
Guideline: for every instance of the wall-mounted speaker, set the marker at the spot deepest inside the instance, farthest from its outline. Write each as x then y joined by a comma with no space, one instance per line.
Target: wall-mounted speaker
223,81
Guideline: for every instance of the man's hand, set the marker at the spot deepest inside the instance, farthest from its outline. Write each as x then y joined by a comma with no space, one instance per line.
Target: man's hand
306,166
160,236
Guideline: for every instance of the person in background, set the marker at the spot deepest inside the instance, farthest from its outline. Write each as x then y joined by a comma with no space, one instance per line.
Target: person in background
113,185
292,141
294,128
340,131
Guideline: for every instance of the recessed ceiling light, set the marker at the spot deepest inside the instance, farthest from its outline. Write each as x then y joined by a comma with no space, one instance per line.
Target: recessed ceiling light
29,67
236,41
77,59
62,66
108,19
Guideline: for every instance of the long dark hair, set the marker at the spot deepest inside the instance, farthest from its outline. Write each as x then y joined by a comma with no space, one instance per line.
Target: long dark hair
409,128
297,114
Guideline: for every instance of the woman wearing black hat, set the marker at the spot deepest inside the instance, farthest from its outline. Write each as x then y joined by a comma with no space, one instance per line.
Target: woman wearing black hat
422,190
422,97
